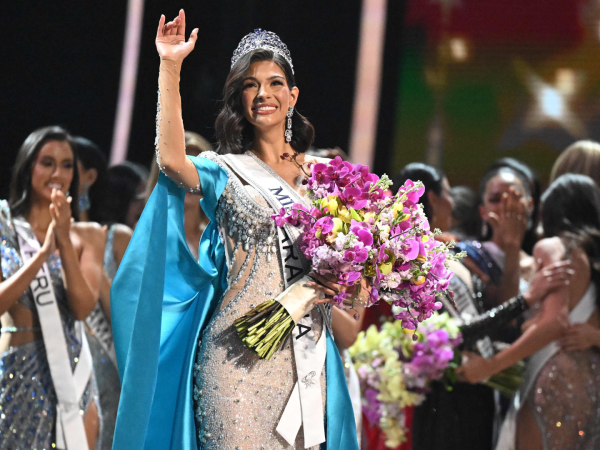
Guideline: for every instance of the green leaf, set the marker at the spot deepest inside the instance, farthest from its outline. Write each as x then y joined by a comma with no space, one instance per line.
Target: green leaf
355,215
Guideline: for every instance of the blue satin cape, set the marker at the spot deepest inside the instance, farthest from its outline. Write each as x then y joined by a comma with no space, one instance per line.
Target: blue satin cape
161,299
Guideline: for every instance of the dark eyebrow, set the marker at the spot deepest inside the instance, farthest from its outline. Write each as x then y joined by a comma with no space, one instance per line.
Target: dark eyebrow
270,78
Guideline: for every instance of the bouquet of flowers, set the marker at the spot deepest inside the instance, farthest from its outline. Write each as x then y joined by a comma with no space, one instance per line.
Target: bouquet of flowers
354,230
395,371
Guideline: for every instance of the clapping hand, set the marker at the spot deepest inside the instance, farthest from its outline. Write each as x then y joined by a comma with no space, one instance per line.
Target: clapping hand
170,38
60,210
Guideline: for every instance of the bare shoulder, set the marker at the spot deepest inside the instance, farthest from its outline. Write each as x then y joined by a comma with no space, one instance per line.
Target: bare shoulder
549,250
122,235
90,232
121,240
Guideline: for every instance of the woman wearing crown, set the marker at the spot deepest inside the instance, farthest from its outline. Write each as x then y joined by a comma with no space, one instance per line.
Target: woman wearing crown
188,381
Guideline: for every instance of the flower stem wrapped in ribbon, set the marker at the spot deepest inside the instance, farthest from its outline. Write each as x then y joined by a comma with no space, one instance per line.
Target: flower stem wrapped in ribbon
354,230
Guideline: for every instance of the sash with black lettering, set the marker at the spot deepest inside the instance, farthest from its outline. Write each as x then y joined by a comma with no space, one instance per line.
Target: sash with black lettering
305,405
69,385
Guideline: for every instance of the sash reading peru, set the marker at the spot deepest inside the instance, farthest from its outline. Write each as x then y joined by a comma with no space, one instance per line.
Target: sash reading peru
69,385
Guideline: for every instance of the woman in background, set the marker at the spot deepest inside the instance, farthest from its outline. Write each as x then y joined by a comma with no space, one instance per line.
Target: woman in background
91,164
582,157
505,207
37,233
124,194
557,405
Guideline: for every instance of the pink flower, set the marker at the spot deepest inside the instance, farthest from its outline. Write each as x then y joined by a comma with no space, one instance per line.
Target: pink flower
349,278
279,218
354,198
361,230
356,255
324,225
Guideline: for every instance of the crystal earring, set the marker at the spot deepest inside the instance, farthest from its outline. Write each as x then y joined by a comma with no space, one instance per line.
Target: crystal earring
84,199
288,131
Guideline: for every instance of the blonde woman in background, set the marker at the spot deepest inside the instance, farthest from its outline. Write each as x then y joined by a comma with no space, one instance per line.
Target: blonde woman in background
582,157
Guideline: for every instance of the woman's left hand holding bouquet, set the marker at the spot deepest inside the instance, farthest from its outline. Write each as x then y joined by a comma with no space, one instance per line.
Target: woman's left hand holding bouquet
357,294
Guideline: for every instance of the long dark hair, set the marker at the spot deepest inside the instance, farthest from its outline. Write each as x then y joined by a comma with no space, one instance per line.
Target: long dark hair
571,210
91,157
432,178
120,190
234,133
20,184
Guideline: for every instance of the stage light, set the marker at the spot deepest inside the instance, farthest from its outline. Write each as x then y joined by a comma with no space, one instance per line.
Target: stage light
551,102
459,50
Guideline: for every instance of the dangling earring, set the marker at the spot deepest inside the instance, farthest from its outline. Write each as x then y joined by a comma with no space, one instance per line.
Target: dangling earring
484,229
288,131
84,199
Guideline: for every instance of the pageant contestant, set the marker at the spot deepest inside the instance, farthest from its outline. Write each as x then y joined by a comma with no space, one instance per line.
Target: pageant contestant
188,380
51,271
558,402
91,165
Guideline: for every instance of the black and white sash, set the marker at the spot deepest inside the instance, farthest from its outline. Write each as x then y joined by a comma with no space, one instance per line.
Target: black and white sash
580,314
69,385
305,405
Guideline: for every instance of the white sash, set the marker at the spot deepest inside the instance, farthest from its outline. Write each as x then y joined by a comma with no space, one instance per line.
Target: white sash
69,385
580,314
305,404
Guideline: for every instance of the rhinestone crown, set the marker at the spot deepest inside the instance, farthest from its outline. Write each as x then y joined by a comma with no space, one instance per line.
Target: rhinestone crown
261,39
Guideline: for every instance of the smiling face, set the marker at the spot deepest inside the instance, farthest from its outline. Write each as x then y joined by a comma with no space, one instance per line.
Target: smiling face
266,96
52,169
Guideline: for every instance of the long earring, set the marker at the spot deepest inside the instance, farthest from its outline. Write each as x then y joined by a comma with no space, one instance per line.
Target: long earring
84,199
288,131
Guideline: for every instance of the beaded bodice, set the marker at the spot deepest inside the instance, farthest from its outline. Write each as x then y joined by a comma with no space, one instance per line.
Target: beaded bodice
238,397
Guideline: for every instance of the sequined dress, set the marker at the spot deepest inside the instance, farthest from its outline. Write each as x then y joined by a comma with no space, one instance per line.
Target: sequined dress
103,354
238,397
27,397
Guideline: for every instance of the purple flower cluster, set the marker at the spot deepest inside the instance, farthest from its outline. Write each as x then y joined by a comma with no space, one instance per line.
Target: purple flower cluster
355,230
431,357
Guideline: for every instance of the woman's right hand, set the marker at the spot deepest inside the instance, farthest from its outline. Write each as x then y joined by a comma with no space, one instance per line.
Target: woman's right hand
170,39
511,221
548,279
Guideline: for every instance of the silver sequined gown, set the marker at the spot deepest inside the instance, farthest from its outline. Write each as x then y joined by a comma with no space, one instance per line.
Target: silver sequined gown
27,396
104,358
565,401
238,397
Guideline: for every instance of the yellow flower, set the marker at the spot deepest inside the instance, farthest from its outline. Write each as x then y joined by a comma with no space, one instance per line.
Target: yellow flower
344,214
386,267
330,205
418,281
338,226
398,208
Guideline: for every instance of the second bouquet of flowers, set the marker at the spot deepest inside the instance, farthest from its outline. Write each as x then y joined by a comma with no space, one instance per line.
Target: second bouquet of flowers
353,230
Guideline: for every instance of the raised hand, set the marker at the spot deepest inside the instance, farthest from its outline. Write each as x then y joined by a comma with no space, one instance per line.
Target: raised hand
60,210
170,38
511,222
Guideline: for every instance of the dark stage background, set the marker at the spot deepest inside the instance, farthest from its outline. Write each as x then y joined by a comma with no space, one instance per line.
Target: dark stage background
61,64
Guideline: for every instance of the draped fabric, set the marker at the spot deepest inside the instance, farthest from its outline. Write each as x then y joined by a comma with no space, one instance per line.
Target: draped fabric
161,299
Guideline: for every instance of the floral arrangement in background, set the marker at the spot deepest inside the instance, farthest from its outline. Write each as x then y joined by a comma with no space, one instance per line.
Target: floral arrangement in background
395,370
